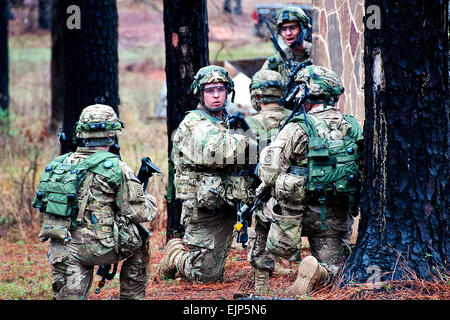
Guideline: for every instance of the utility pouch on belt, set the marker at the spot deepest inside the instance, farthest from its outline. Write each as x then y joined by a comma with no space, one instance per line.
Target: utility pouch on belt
291,186
211,192
239,188
284,237
185,186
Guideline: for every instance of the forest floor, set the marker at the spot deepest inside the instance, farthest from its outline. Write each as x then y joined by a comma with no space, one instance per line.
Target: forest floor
24,270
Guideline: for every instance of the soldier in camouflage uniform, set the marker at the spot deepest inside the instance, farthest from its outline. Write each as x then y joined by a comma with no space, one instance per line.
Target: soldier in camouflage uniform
266,89
293,210
207,159
110,201
292,26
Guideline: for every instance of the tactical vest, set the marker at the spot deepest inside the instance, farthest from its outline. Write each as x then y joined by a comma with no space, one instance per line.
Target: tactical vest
212,188
58,196
332,165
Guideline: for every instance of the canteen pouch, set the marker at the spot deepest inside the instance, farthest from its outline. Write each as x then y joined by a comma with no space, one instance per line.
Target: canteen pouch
55,227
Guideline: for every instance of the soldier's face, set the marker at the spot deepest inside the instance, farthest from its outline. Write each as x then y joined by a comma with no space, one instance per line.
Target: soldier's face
214,95
290,32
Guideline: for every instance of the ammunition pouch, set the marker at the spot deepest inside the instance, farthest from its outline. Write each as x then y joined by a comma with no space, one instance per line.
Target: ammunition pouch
239,188
186,185
212,191
291,186
129,240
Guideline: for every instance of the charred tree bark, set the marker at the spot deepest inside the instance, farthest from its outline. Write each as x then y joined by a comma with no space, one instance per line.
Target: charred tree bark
404,205
186,38
84,60
44,14
4,74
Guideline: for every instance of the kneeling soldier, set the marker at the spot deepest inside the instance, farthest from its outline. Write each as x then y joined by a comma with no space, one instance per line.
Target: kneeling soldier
92,202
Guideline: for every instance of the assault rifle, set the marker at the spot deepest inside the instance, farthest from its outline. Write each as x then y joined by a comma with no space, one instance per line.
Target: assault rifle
245,213
291,88
146,171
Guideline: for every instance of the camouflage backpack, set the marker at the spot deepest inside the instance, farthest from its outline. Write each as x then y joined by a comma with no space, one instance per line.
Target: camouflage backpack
332,165
57,193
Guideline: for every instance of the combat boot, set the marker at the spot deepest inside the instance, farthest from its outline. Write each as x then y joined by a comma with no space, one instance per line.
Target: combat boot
167,266
261,281
310,273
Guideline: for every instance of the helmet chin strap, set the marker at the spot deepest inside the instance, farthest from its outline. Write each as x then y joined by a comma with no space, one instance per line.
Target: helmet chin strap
216,110
299,39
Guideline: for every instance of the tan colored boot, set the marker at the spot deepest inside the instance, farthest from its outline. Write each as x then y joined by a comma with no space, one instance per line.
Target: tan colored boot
262,285
284,271
310,273
167,265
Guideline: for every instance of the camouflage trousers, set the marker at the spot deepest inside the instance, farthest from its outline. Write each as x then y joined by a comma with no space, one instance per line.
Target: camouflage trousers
208,237
73,267
330,246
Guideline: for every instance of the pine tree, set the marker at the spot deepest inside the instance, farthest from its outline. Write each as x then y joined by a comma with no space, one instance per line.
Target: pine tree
404,204
186,38
84,60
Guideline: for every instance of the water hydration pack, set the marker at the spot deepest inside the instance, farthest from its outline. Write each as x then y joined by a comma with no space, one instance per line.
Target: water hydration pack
57,194
332,164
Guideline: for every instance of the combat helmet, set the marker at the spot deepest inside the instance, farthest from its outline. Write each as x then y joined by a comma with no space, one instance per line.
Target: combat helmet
266,87
212,74
323,85
98,124
294,14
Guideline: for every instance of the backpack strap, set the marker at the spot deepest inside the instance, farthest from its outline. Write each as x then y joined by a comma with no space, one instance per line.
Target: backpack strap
109,160
91,163
357,131
308,123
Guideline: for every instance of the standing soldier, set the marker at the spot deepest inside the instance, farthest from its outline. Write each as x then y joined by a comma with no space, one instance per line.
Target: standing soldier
292,25
266,89
208,160
312,166
92,202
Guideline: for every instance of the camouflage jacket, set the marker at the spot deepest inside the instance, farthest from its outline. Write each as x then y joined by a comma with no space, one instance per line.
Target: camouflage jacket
275,62
291,145
265,124
107,207
203,143
206,155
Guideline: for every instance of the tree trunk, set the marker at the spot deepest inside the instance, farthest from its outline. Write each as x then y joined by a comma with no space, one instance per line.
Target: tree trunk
84,60
44,14
4,100
186,38
404,205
